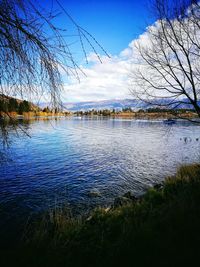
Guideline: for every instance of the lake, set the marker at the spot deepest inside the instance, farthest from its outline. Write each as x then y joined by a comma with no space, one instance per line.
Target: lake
87,162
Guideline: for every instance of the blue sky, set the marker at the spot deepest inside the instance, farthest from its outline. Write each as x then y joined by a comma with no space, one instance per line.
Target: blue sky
114,24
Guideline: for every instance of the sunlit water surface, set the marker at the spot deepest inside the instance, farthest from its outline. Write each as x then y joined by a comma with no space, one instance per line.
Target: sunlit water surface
87,162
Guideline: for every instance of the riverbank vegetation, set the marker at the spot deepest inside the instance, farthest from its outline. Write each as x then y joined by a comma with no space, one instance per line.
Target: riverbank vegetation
16,108
161,228
149,113
12,108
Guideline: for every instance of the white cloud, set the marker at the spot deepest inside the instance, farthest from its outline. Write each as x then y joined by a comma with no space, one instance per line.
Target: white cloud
111,78
106,80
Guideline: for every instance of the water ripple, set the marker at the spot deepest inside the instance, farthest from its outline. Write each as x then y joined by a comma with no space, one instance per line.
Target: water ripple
66,160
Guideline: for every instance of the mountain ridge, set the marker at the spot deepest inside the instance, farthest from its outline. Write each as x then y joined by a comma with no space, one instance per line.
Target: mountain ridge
117,104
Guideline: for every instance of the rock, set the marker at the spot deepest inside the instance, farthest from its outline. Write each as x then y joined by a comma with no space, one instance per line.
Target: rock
158,186
121,201
107,209
126,199
89,218
130,196
94,193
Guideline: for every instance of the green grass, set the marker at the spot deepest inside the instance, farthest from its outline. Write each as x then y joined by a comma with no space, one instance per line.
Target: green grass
160,229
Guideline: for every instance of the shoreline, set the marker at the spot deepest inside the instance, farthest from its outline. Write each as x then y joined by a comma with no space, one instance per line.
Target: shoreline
163,224
129,115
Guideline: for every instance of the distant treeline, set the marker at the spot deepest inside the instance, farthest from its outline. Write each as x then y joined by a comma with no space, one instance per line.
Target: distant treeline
159,110
108,112
48,110
104,112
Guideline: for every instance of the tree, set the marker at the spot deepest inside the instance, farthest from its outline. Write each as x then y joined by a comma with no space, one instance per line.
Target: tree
34,51
3,106
13,105
169,58
29,60
24,106
46,109
127,109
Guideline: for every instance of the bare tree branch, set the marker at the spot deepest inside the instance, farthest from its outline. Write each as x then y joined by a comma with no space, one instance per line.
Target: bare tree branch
169,64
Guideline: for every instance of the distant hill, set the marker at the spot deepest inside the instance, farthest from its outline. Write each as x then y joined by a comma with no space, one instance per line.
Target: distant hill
11,104
117,104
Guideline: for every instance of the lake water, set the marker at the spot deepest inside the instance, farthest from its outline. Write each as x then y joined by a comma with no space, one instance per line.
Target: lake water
87,162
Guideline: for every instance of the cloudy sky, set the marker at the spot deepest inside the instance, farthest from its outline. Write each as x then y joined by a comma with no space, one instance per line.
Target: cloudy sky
115,24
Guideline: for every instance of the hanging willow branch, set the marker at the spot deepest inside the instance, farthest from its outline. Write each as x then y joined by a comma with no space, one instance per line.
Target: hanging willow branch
34,51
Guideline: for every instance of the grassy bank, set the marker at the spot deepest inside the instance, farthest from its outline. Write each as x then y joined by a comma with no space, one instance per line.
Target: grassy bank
160,229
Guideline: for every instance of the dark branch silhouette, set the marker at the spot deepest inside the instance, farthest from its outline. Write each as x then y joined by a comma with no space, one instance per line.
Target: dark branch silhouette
169,62
34,51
